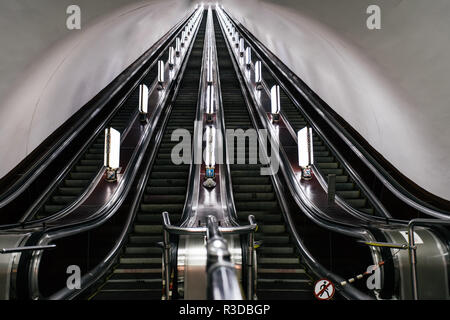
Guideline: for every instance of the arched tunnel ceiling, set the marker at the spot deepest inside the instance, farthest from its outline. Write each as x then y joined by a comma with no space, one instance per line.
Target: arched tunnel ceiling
389,84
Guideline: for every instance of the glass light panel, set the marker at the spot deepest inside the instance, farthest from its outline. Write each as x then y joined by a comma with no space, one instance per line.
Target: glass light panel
210,156
143,99
248,56
258,73
305,147
171,56
112,148
160,71
275,99
209,100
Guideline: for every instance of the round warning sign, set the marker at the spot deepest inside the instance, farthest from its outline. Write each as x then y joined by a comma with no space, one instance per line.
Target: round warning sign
324,289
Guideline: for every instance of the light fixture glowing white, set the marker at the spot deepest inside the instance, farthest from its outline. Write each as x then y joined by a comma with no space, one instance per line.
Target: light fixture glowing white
305,151
160,74
143,102
209,71
210,160
171,57
275,102
210,155
177,46
182,38
209,103
248,57
241,47
258,75
112,153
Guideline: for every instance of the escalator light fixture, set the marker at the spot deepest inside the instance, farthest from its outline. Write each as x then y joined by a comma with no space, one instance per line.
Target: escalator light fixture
178,46
210,156
258,75
183,36
248,56
209,71
275,102
161,74
241,47
112,153
143,102
171,57
209,103
305,151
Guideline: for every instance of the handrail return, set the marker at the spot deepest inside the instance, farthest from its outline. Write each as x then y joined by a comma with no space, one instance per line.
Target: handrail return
170,229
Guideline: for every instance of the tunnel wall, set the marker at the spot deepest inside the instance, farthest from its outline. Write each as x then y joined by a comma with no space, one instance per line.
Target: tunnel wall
391,85
48,72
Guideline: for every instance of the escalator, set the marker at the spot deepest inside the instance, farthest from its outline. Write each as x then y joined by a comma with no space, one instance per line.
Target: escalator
139,270
324,159
280,271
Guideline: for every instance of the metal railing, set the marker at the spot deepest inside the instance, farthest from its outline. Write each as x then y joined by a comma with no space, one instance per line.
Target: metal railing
222,281
175,230
413,248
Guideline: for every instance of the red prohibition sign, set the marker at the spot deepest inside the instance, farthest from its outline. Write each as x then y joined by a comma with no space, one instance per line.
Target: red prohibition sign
324,289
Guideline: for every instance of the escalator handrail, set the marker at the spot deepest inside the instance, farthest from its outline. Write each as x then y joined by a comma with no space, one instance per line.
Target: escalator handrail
222,281
375,167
